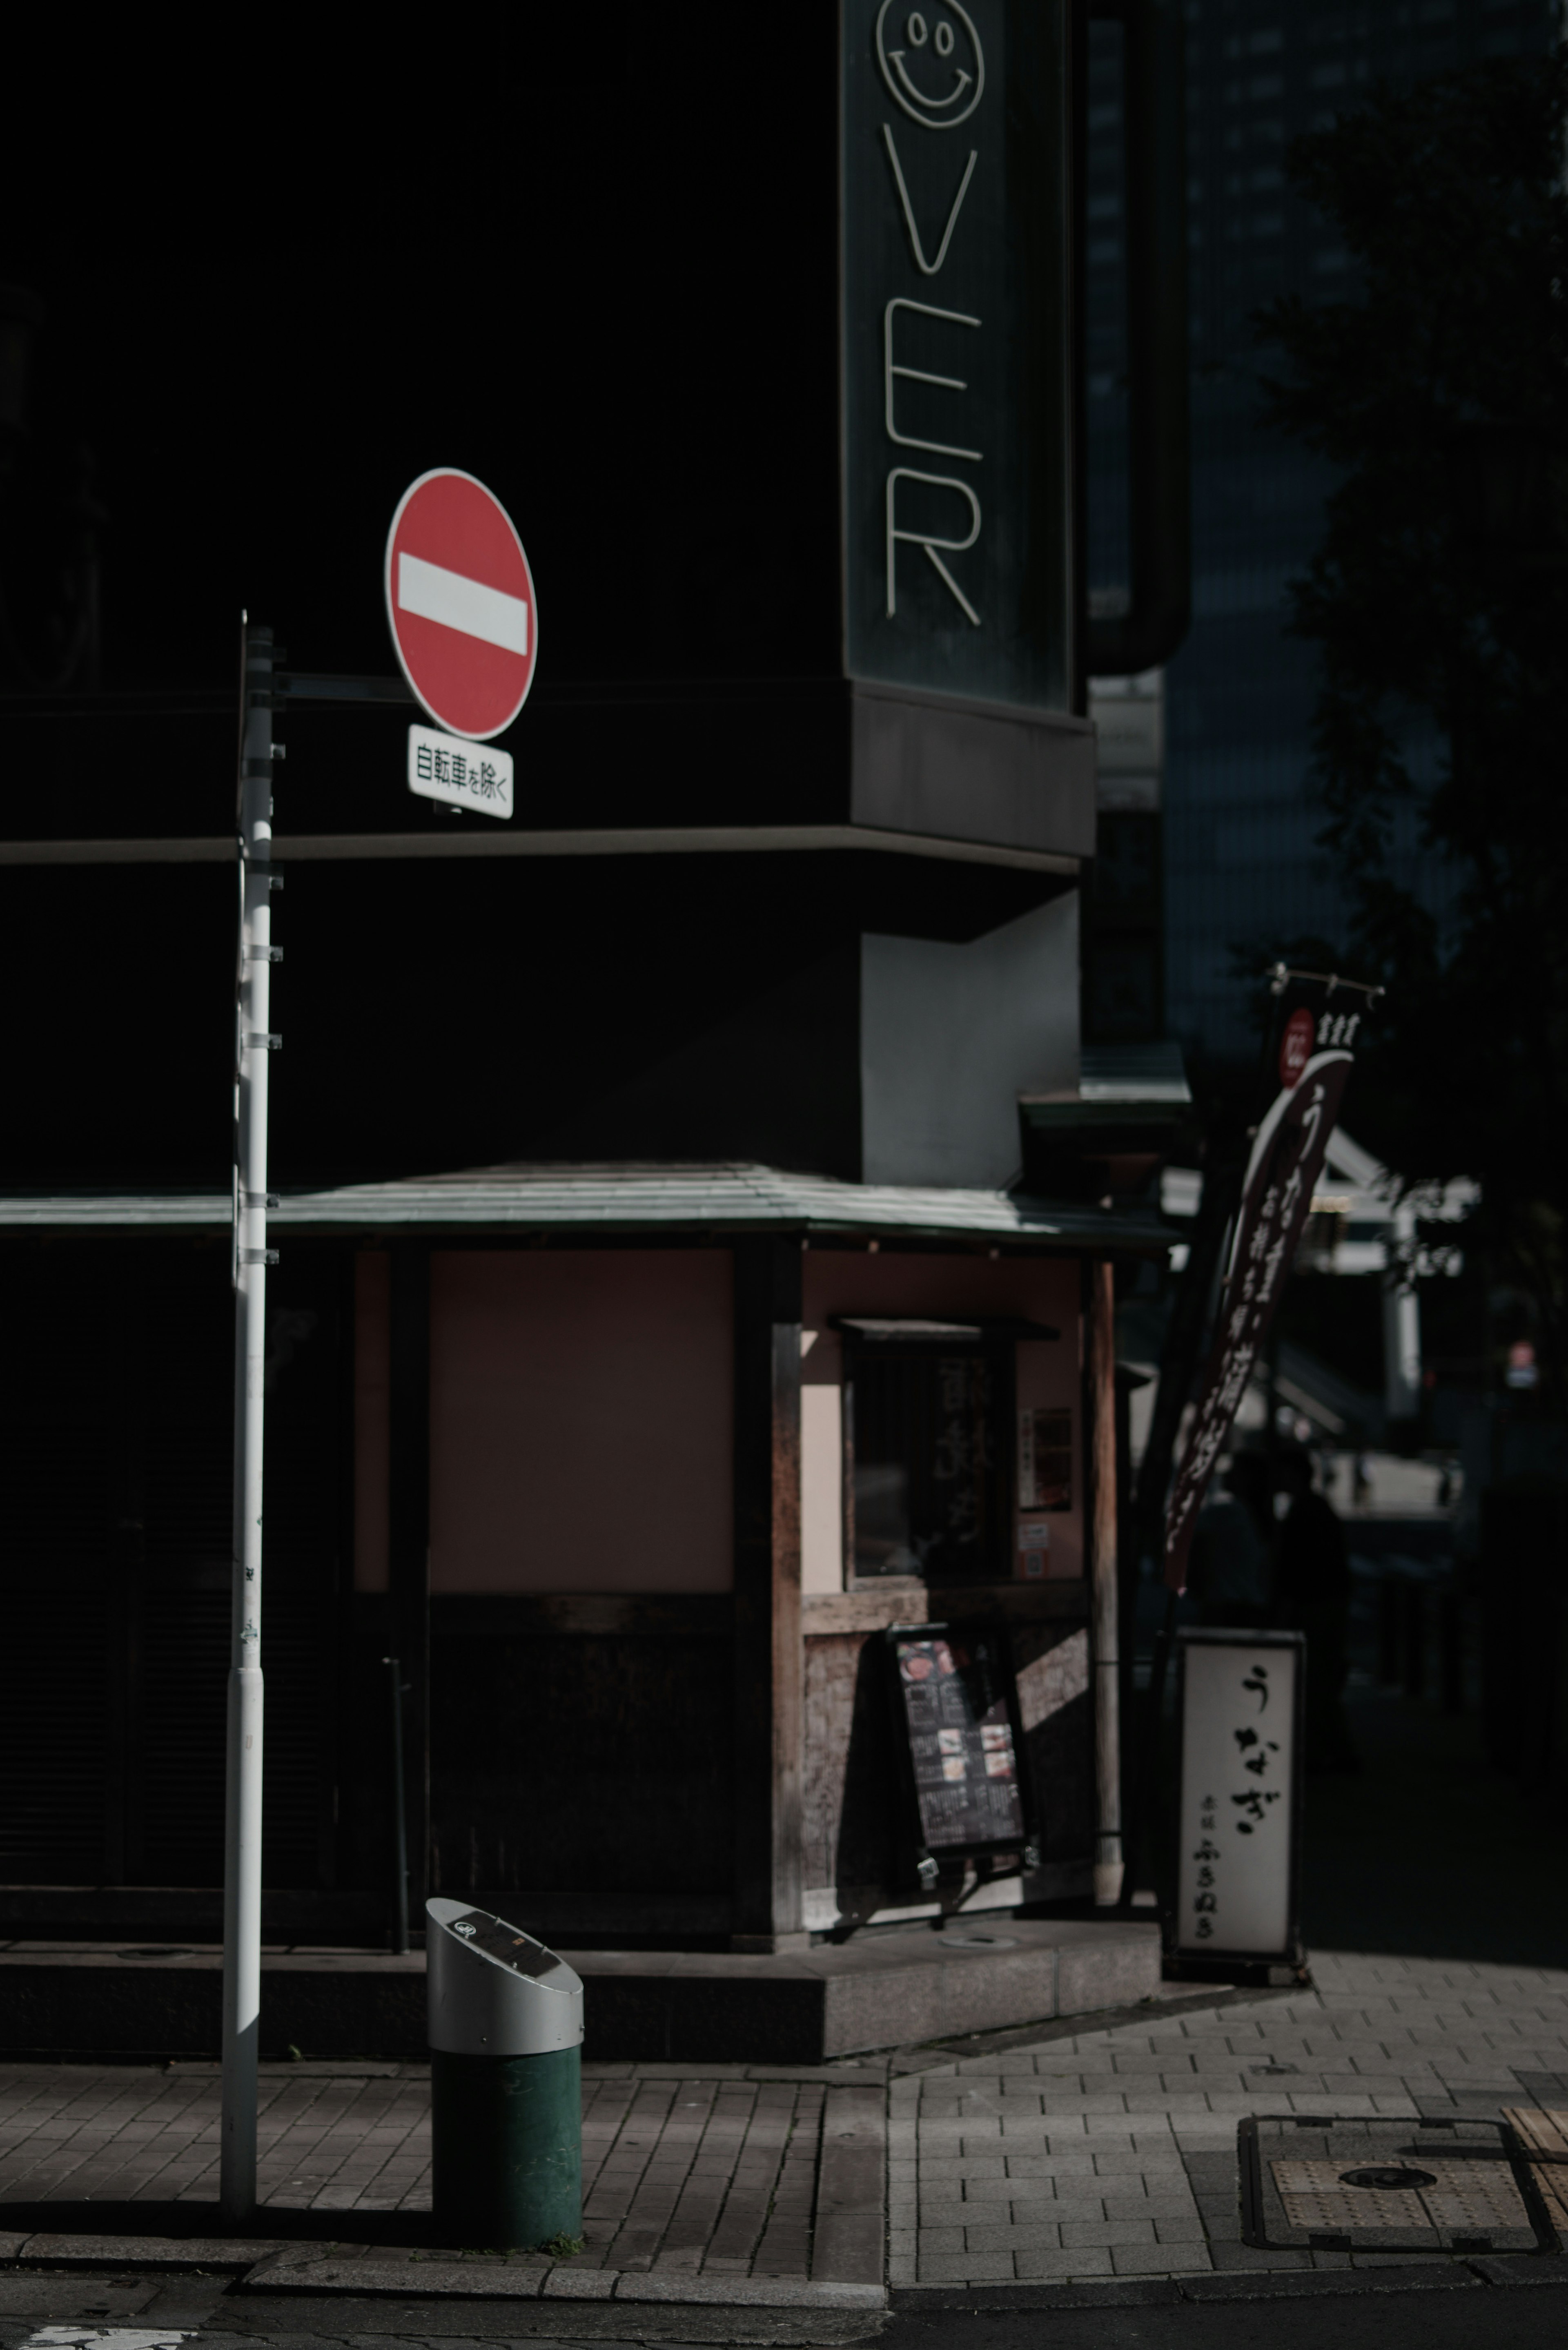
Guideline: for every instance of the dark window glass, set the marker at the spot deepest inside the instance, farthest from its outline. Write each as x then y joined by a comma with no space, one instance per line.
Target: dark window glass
1045,1459
931,1464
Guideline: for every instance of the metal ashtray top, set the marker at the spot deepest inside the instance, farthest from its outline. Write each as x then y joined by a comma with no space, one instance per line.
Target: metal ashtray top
492,1989
1436,2184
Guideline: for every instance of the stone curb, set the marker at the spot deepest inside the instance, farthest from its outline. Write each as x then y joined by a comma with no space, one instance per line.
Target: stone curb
368,2278
753,2292
1255,2284
293,2269
972,2046
234,2253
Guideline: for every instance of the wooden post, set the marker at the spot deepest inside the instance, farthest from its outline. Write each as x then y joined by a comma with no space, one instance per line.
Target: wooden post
1101,1298
408,1579
768,1658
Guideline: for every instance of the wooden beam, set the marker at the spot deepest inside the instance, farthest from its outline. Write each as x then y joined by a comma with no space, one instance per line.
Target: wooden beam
1100,1300
904,1599
409,1482
768,1654
584,1615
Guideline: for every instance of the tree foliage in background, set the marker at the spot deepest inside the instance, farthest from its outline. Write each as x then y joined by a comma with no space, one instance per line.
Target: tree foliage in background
1444,376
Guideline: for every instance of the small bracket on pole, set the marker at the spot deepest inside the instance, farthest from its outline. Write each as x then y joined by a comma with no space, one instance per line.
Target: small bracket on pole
1280,975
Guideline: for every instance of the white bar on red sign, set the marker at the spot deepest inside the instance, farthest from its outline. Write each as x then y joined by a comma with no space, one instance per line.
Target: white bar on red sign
466,774
433,593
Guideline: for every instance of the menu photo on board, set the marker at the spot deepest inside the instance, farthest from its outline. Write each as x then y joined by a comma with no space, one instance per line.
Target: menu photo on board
956,1720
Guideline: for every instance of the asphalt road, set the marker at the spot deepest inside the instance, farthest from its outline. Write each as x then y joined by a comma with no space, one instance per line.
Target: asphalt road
1413,2321
1454,2310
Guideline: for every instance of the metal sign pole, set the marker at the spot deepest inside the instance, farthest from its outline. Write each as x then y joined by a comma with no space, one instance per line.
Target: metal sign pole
243,1828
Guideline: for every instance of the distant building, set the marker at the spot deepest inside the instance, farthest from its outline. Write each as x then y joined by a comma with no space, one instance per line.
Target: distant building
1239,824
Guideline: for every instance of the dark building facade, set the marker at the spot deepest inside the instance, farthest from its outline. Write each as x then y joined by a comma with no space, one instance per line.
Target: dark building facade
659,1314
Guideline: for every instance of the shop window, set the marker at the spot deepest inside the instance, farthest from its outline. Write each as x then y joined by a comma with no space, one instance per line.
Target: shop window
929,1461
1044,1459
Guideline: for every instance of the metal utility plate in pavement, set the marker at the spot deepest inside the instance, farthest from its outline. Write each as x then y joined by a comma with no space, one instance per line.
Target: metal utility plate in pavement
1314,2184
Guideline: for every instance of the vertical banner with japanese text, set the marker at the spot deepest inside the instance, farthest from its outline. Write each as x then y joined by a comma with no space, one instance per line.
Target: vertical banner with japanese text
1316,1050
1238,1813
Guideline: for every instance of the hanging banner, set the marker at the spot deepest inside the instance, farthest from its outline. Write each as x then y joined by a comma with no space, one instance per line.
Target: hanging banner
1315,1052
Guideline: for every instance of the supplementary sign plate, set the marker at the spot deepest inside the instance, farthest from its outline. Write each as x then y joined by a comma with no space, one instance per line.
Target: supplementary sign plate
466,774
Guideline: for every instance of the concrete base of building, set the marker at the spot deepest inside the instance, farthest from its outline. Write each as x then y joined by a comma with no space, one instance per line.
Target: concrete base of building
796,2007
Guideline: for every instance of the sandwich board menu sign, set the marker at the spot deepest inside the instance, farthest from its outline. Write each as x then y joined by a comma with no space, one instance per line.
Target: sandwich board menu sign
1237,1862
960,1738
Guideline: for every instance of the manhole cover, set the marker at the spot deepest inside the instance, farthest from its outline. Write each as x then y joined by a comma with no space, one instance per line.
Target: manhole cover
1324,2185
1471,2196
978,1943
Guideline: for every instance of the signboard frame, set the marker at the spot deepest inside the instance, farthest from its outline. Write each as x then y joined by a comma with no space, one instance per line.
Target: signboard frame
1220,1960
956,336
992,1631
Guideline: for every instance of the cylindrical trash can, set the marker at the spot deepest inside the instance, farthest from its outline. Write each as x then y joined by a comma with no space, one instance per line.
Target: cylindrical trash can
506,2034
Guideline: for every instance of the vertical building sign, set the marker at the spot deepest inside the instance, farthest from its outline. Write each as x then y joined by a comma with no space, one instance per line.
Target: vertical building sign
956,350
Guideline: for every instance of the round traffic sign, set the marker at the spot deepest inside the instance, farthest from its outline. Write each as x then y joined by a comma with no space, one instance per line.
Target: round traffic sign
461,604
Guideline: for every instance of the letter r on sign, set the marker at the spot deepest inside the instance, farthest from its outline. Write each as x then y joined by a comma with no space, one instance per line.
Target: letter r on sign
929,540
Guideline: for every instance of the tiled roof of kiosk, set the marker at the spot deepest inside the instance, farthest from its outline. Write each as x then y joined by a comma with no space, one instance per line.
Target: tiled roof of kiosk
615,1198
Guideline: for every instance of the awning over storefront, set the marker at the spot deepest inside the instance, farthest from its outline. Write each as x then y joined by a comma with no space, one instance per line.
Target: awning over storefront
622,1198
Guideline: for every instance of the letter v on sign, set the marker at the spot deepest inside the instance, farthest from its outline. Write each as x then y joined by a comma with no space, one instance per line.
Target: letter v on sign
927,268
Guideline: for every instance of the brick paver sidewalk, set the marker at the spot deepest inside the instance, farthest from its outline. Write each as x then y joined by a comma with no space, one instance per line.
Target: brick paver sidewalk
1106,2154
720,2172
1113,2153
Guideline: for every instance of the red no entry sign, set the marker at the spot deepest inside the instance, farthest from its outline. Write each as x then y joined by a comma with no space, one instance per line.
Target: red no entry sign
460,602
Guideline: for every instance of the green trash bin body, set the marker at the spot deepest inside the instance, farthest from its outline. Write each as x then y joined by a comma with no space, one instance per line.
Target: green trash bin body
506,2033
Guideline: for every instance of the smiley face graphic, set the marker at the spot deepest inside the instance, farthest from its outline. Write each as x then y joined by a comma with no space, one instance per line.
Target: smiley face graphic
933,66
